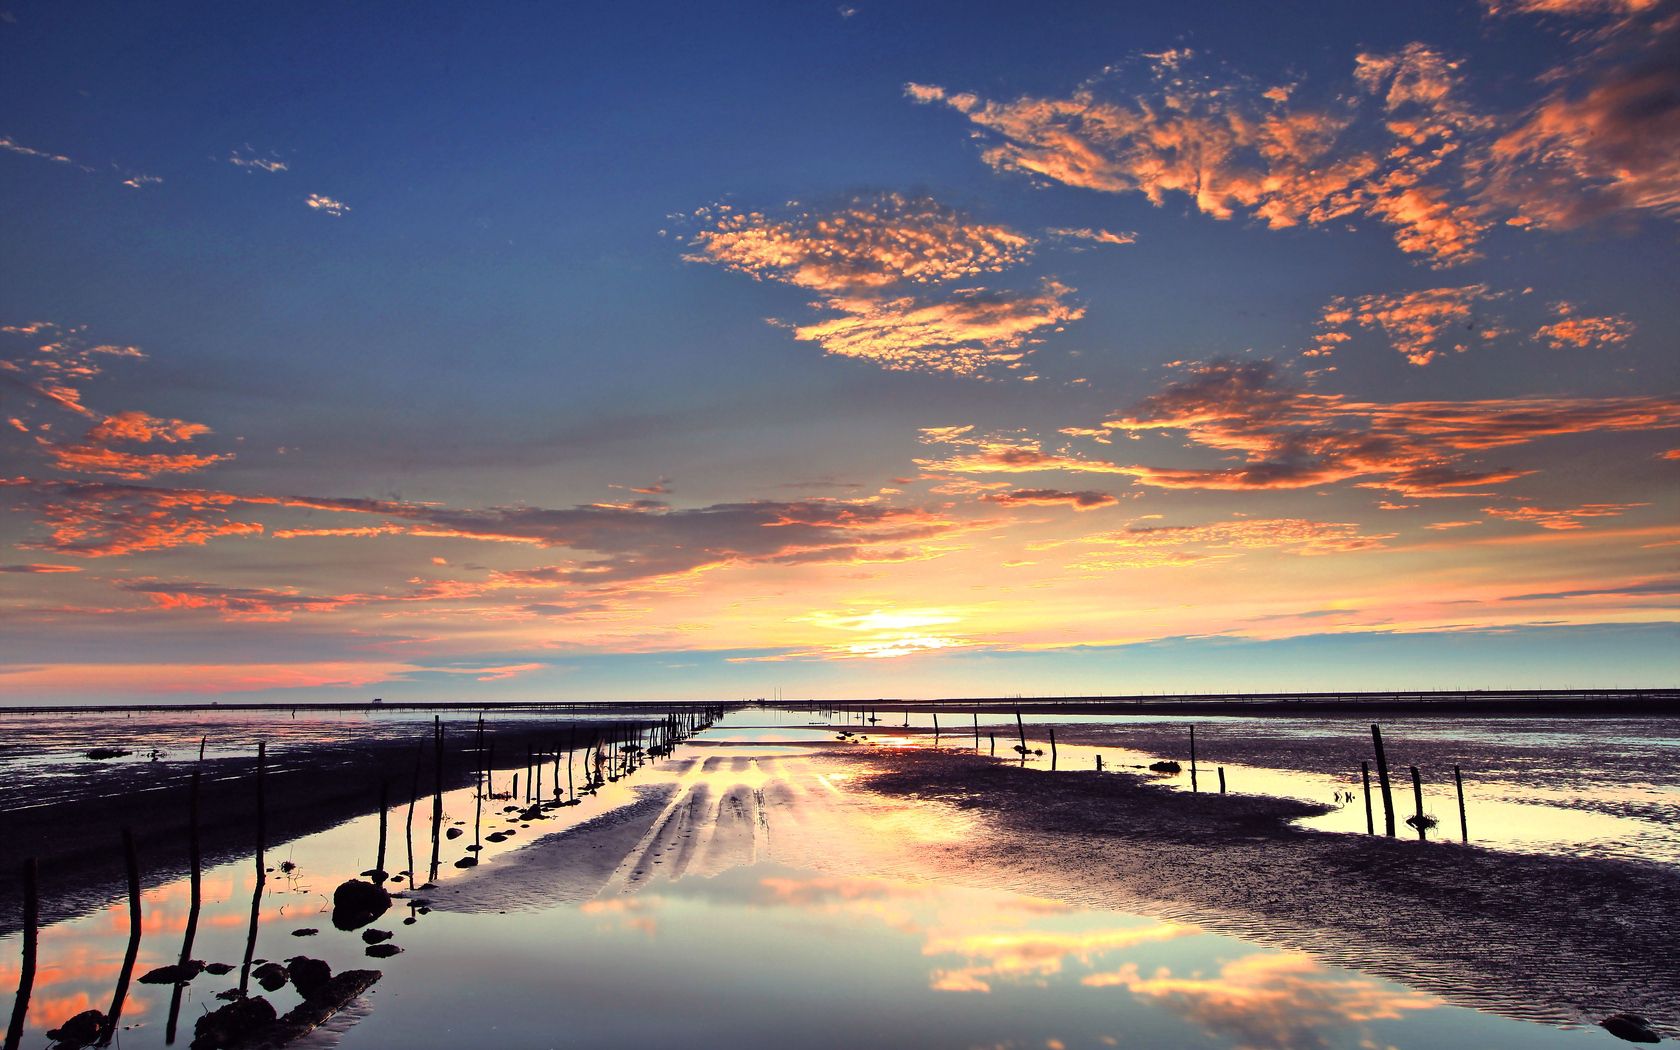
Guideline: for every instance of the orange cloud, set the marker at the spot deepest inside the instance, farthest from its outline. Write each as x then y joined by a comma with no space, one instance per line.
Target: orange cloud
1561,518
1284,437
1576,157
1230,148
1420,325
969,334
140,427
87,458
1085,500
867,243
1573,330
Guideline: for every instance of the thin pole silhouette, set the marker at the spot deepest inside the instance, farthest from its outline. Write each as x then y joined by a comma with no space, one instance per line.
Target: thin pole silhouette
1463,824
115,1013
26,972
1370,820
1382,781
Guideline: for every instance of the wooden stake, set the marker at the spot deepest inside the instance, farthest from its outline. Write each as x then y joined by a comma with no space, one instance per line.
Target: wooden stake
31,942
1195,789
1417,794
1382,781
132,863
1463,824
1365,775
1052,749
1222,780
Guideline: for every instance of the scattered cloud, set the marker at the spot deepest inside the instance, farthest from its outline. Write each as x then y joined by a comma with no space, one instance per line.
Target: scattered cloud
970,334
10,145
1420,325
1561,518
1097,236
247,158
39,569
322,203
1230,147
1084,500
869,242
1286,437
1583,332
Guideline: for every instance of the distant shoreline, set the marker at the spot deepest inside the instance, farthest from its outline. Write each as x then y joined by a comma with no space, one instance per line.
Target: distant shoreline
1661,702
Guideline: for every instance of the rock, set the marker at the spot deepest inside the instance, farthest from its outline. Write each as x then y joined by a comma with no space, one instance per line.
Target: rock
355,904
218,969
308,1015
496,836
467,862
372,936
101,753
382,951
308,975
1632,1027
228,995
175,973
271,975
307,931
453,833
80,1030
1165,767
238,1022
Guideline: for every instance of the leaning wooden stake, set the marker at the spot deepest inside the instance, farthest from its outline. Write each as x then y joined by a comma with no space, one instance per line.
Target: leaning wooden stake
121,994
26,974
1370,820
1382,782
1195,788
1417,795
1052,749
1022,727
1222,780
1463,824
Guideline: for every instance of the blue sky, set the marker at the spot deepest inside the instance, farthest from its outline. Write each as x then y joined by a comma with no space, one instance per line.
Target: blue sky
1145,338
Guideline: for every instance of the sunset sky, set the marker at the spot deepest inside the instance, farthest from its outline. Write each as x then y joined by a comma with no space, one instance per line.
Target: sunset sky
569,351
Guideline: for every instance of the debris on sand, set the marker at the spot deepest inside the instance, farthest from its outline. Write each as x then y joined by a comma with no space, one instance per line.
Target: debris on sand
101,753
357,903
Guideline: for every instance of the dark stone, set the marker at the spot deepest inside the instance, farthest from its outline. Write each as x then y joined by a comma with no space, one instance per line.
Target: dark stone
307,931
467,862
372,936
228,995
175,973
1631,1027
218,969
309,975
271,975
240,1021
382,951
80,1030
1165,767
355,904
496,836
453,833
101,753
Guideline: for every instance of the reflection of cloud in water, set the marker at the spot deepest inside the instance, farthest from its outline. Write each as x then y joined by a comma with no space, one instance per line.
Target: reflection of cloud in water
1031,955
1269,1000
625,913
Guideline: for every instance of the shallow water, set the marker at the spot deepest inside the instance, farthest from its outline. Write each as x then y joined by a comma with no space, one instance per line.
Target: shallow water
770,905
1580,798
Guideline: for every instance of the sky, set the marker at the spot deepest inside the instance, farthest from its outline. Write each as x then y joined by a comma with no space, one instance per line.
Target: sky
522,351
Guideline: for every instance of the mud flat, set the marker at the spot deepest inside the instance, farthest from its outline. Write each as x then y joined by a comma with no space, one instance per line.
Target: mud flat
73,825
1563,940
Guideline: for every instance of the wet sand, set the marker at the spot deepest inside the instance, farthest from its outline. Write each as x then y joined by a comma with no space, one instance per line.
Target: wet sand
1565,940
